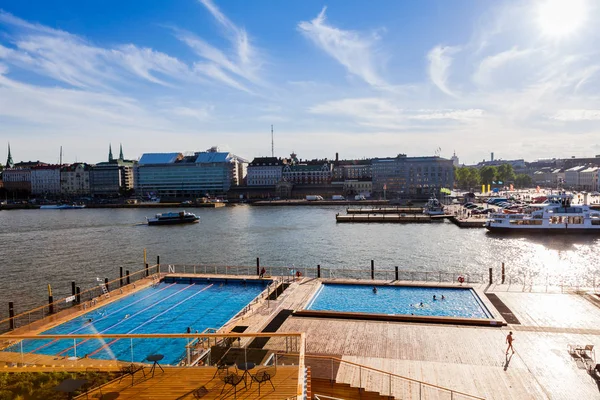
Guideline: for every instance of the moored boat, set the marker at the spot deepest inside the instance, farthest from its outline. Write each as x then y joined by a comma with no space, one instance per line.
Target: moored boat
555,215
173,218
62,207
433,207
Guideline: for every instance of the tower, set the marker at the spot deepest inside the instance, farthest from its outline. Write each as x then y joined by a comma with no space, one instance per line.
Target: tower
120,152
110,156
9,160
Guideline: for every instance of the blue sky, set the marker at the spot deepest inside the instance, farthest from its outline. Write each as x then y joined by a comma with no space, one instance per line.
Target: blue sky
364,79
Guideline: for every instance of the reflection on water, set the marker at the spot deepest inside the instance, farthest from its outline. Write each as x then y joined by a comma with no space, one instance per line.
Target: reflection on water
38,247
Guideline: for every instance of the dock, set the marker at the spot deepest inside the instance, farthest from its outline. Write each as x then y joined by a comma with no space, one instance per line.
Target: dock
471,222
385,210
397,218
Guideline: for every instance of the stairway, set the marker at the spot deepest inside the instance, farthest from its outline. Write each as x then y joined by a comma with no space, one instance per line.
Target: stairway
342,390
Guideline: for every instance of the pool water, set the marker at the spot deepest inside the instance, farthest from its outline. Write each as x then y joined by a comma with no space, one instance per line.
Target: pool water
168,307
399,300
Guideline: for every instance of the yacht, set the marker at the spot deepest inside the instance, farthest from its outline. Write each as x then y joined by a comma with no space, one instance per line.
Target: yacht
173,218
433,207
556,215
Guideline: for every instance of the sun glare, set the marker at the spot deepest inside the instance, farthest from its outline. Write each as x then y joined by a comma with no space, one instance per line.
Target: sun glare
561,17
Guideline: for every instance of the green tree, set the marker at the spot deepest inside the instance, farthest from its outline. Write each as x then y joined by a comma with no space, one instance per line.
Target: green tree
487,174
505,173
466,178
523,181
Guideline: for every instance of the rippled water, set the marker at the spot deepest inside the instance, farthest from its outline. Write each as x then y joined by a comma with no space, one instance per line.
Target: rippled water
38,247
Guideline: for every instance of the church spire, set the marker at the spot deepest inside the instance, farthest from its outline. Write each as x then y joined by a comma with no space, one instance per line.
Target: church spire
110,156
120,152
9,160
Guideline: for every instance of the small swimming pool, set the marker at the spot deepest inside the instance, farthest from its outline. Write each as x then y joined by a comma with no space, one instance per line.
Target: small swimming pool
168,307
399,300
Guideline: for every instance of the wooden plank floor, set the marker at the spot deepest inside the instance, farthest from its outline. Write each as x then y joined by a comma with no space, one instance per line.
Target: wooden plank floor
180,383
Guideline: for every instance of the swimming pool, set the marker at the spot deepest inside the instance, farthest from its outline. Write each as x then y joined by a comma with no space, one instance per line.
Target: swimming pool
168,307
399,300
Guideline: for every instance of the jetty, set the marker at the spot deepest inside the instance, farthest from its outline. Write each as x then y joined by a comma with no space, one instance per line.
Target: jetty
399,218
385,210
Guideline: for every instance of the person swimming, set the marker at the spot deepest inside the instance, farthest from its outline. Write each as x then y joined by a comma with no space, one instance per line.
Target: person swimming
374,290
126,316
421,304
443,298
434,298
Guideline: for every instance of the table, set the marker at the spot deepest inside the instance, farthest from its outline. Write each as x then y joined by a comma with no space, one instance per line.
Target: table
155,358
247,366
70,386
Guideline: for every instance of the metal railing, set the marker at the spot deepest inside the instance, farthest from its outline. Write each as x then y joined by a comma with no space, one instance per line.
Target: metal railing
385,383
35,318
27,353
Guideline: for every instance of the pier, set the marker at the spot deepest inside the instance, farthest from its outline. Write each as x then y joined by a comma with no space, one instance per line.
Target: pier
398,218
385,210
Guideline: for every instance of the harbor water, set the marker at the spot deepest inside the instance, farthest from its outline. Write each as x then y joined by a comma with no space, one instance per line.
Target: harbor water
40,247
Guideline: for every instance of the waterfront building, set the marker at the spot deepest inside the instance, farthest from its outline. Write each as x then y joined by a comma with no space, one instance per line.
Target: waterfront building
178,175
265,171
588,179
455,161
352,169
358,186
314,172
75,179
17,180
572,177
112,177
412,176
45,180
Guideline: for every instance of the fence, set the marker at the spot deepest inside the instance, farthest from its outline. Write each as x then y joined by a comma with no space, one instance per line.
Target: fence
337,370
35,318
113,352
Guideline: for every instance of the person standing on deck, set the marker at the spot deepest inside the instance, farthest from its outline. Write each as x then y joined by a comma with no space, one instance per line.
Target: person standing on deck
509,341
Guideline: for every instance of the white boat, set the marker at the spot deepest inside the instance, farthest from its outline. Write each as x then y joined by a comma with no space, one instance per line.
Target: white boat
433,207
556,215
173,218
62,207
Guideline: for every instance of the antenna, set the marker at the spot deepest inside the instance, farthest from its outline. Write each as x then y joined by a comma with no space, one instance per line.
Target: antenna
60,159
272,146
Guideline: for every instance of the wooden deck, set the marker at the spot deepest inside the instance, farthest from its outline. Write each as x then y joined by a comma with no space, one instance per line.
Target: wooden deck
180,383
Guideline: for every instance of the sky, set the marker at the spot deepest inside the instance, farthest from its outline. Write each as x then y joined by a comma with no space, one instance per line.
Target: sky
362,79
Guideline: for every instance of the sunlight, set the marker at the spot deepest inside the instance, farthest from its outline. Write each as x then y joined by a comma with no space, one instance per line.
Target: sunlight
561,17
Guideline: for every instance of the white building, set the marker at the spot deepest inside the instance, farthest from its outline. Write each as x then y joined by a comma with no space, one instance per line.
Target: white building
572,177
264,171
45,180
588,179
75,179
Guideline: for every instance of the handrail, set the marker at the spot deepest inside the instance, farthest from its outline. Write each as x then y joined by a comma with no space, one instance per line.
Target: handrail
61,300
324,357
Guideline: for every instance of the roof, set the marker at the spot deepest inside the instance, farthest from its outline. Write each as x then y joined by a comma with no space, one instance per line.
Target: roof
266,161
158,158
213,157
590,169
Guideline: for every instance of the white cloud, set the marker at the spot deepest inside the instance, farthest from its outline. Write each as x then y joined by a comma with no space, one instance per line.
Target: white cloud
576,115
354,51
488,65
440,61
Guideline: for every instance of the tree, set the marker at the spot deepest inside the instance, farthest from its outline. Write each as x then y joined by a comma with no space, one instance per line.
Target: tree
487,174
523,181
466,178
505,173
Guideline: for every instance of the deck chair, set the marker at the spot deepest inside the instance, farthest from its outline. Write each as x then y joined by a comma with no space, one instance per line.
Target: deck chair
263,376
233,379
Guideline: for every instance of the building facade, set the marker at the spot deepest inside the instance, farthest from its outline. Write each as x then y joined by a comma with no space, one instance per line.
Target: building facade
75,179
412,176
588,179
175,175
17,180
572,177
312,173
45,180
111,178
265,171
352,169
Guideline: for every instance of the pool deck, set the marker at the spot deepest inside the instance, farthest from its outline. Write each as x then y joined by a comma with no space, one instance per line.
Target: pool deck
466,358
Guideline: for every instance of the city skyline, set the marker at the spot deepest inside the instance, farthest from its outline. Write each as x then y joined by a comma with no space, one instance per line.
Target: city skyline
517,79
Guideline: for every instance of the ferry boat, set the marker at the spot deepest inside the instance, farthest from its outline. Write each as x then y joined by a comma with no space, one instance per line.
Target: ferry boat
433,207
173,218
62,207
556,215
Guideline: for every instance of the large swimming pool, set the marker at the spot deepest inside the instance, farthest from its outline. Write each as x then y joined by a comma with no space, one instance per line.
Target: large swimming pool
399,300
168,307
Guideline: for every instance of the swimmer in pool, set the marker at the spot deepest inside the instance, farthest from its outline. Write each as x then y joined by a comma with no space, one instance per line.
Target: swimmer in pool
443,298
374,290
434,298
421,304
126,316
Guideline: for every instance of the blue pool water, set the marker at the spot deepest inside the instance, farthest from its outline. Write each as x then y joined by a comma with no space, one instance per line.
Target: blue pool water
398,300
168,307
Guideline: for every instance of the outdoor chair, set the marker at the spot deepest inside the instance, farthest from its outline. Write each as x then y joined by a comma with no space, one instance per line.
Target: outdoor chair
131,370
233,379
264,375
223,368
